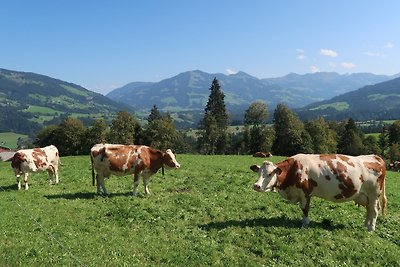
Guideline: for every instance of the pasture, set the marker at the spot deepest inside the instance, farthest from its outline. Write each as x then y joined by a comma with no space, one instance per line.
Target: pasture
204,214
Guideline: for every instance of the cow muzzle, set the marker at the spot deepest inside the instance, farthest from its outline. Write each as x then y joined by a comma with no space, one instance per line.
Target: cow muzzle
257,187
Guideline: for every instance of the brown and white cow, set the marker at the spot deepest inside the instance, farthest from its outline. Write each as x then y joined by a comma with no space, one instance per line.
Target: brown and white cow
122,160
334,177
25,161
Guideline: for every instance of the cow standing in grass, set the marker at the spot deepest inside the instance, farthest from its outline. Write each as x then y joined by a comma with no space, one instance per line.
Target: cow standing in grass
337,178
25,161
122,160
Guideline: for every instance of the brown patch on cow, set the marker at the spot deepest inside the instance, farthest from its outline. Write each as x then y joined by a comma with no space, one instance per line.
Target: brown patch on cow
17,159
361,178
291,176
38,154
347,160
119,158
346,184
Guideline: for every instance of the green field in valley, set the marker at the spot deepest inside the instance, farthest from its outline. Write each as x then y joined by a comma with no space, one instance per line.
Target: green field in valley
204,214
10,140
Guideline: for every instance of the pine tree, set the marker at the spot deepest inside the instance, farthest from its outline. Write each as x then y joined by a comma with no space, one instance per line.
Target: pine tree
214,125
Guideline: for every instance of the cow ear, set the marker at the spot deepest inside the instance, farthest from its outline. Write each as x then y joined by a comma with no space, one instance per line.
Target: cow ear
277,171
254,168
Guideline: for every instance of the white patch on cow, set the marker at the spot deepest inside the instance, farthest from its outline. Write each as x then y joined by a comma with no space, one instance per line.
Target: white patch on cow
169,152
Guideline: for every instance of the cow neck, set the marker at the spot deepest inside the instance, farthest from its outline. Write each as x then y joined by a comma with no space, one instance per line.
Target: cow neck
284,166
156,160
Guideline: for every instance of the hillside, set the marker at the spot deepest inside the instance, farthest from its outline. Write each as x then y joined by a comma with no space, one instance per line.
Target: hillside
189,91
378,102
28,101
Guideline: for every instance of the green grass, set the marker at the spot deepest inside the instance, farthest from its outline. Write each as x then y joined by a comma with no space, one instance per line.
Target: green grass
42,110
10,139
339,106
204,214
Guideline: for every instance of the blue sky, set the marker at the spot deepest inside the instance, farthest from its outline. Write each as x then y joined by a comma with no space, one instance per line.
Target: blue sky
102,45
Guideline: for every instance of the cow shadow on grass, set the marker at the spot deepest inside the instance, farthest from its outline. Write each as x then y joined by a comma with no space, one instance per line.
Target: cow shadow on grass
86,195
281,221
9,187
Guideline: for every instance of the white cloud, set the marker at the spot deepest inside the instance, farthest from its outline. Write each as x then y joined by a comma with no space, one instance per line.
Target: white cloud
389,45
314,69
301,57
373,54
230,72
300,54
348,65
328,53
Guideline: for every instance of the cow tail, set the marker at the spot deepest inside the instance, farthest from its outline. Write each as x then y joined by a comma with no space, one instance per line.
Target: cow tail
383,200
93,177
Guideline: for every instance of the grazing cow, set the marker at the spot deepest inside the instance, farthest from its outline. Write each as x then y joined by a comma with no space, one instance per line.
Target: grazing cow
122,160
262,154
35,160
337,178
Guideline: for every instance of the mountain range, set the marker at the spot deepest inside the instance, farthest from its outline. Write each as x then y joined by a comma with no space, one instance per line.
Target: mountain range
373,102
189,90
29,101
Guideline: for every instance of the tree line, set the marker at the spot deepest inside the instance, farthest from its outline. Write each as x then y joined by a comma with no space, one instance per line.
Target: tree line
286,136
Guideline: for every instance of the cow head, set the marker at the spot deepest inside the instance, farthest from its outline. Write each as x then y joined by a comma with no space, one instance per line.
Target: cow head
170,159
267,176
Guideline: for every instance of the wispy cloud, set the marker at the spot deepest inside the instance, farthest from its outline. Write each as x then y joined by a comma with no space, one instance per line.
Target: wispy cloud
314,69
373,54
389,45
348,65
328,53
300,54
230,72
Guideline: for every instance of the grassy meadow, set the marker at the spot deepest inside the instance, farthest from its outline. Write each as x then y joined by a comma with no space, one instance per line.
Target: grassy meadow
204,214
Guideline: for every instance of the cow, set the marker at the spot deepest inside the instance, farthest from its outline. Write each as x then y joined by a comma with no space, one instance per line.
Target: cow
122,160
334,177
25,161
260,154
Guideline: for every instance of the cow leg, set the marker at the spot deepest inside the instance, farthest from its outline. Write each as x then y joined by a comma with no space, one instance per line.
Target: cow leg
51,173
101,184
146,180
372,213
18,181
305,207
135,183
26,179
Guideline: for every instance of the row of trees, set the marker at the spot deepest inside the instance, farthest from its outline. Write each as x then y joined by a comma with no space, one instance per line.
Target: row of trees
287,136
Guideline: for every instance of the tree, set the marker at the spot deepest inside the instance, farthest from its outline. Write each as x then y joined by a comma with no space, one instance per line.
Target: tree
394,152
95,134
256,114
322,137
154,114
69,137
351,140
383,141
371,145
290,136
124,129
213,139
394,133
161,133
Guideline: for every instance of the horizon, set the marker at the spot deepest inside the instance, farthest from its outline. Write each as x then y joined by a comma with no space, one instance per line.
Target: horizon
102,46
